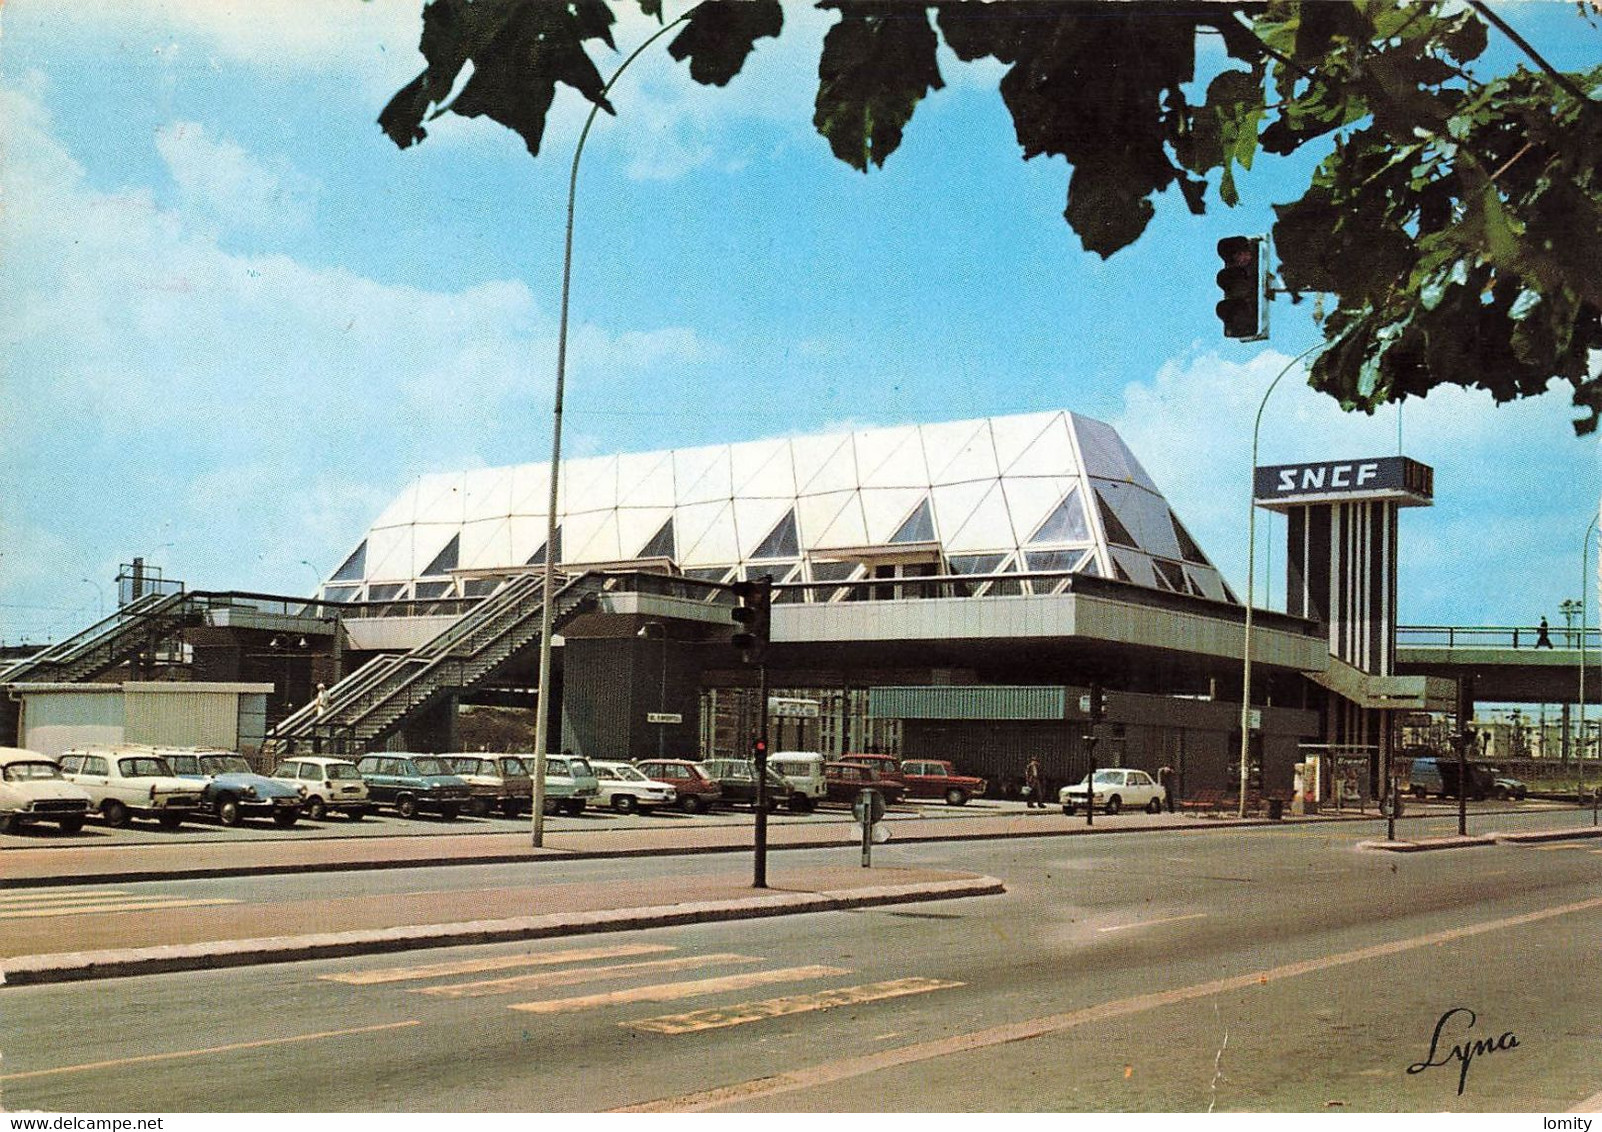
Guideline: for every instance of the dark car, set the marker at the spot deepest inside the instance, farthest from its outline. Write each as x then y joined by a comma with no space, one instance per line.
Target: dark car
413,783
234,792
848,779
737,779
1438,776
696,791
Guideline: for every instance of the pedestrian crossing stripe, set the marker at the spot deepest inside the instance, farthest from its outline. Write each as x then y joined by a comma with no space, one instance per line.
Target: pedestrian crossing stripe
499,963
14,913
580,975
667,992
717,1018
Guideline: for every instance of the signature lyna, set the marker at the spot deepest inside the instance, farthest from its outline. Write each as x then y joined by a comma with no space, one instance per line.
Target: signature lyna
1465,1051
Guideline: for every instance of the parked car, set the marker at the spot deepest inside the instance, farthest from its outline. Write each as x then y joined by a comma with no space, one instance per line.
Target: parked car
498,782
626,789
413,783
570,784
846,780
937,778
737,779
1505,786
1115,789
33,791
125,783
693,786
888,766
232,791
330,784
803,770
1438,776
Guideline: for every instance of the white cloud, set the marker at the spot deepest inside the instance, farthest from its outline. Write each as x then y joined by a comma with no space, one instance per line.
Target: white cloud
1514,488
252,406
218,178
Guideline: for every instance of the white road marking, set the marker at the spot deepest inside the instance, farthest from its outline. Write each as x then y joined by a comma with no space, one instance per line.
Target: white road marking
667,992
1149,923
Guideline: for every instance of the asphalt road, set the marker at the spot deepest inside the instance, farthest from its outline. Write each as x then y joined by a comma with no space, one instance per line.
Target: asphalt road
1268,968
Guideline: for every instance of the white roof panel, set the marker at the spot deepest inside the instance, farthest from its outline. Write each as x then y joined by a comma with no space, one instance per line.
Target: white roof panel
972,517
762,470
1106,455
960,452
891,457
824,463
887,508
705,533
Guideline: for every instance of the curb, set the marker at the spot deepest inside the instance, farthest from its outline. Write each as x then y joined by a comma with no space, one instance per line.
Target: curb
1550,835
1430,843
28,970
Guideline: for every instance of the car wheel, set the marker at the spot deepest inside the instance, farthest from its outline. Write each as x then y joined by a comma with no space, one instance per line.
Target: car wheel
11,824
480,807
624,803
114,813
449,811
1155,806
1114,804
73,824
285,819
406,806
1500,793
356,813
800,805
574,807
511,808
691,804
228,810
1067,811
170,821
316,809
956,796
1420,793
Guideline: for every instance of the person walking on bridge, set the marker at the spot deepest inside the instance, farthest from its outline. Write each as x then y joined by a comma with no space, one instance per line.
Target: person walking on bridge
1543,635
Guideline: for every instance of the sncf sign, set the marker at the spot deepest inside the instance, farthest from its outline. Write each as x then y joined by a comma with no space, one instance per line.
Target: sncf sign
1385,477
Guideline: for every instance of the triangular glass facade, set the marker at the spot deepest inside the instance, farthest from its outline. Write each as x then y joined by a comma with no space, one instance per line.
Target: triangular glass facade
661,544
445,561
781,542
919,526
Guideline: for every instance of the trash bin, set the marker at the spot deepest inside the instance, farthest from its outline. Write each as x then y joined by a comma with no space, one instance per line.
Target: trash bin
1276,809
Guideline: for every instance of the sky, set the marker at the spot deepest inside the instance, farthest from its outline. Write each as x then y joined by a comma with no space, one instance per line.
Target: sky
236,321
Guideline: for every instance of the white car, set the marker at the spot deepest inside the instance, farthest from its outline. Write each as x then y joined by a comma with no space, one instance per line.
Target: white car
625,789
803,770
32,791
330,784
1115,789
130,782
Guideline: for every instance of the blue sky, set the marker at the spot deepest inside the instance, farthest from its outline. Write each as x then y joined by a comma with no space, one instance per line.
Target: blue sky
238,321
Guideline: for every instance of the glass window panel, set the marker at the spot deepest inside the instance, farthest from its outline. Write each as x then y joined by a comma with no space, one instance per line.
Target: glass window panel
1170,576
445,561
1066,523
974,563
476,587
340,593
661,544
388,592
1116,531
354,566
709,573
538,556
1051,560
438,589
919,526
782,540
1188,549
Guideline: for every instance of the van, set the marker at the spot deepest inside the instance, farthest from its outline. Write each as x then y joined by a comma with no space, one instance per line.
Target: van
803,770
1438,776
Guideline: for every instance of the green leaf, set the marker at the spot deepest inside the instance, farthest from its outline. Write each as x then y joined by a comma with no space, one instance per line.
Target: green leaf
720,34
878,62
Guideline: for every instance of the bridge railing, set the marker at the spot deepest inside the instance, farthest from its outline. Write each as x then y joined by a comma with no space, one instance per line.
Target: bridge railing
1495,637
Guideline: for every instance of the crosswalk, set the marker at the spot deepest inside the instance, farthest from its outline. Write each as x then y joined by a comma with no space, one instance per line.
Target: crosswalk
37,903
632,974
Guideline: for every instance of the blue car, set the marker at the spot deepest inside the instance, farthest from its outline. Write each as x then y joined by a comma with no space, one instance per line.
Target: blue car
234,792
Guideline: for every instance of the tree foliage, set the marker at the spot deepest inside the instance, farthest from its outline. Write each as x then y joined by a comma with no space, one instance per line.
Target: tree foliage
1455,223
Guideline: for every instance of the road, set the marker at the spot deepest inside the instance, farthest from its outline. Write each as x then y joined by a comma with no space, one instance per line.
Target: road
1268,968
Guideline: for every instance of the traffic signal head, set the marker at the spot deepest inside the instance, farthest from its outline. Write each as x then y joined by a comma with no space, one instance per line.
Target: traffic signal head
1098,703
752,614
1240,279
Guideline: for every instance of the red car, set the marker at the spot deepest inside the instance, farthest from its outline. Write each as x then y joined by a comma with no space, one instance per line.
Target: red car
696,791
936,778
848,779
888,766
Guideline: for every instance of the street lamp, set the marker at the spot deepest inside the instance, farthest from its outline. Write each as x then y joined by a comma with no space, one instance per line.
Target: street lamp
660,630
1585,589
542,707
100,597
1251,580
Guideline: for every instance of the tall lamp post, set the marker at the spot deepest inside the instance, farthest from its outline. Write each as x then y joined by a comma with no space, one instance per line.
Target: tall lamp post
542,711
1251,581
1585,589
100,597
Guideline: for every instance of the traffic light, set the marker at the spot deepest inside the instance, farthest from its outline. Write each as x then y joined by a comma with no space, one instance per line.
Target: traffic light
1098,704
752,614
1241,281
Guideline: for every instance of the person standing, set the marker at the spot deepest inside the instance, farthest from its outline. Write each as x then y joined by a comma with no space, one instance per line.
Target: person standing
1543,635
1032,783
1165,779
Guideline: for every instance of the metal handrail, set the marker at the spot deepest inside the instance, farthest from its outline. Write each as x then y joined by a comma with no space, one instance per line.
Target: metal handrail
1494,636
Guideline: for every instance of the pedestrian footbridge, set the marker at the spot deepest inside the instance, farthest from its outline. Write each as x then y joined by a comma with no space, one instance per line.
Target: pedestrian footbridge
1505,663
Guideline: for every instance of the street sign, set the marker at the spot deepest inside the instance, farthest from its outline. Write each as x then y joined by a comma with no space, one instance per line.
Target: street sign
1255,719
868,806
791,707
663,717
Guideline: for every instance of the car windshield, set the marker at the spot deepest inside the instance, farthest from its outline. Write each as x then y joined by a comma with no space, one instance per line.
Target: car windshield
625,773
342,770
430,766
144,767
1105,776
27,772
224,764
581,766
513,766
184,764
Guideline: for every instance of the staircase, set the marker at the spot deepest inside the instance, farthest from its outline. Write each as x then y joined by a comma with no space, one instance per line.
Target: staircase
134,628
382,694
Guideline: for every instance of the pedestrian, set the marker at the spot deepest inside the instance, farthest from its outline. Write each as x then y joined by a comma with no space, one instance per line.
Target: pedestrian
322,700
1543,635
1165,779
1032,786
